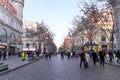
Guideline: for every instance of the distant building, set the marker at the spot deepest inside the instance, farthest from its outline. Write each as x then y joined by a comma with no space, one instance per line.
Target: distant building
11,15
34,38
67,43
102,41
29,41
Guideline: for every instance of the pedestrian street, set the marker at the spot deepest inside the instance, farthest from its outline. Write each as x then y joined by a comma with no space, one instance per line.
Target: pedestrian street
62,69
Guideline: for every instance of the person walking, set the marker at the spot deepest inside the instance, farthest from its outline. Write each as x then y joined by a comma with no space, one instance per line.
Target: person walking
87,58
4,55
110,56
117,56
102,57
49,55
68,55
82,59
62,55
23,55
94,57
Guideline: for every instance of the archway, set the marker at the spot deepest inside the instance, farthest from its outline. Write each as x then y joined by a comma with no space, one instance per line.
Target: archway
3,36
3,39
12,39
12,44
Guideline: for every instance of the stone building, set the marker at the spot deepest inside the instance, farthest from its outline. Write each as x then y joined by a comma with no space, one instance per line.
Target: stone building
11,15
67,44
29,40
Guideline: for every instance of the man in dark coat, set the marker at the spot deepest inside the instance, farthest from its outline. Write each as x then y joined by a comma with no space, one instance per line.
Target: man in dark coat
110,56
94,57
102,57
82,59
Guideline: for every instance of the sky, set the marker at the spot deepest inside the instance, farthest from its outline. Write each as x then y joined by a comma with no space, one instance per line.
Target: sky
57,14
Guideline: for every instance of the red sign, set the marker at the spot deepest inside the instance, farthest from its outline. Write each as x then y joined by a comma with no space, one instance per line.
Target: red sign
9,6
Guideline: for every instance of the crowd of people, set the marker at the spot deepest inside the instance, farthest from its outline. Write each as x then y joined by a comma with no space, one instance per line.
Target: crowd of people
86,56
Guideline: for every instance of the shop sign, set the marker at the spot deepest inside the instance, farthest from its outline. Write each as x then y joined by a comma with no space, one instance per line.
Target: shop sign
2,46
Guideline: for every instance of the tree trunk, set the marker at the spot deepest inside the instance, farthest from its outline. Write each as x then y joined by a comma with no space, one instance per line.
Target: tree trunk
116,9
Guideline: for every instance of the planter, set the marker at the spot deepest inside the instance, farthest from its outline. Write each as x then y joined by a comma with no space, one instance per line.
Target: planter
3,67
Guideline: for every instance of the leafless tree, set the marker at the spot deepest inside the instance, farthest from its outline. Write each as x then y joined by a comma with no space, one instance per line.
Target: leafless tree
85,24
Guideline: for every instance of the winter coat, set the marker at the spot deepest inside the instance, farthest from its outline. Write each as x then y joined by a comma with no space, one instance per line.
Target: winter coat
87,57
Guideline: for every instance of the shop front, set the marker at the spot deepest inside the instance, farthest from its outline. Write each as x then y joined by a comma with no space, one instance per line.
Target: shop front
11,49
104,47
2,47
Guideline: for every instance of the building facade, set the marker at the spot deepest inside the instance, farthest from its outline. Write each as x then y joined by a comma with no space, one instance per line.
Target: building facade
29,41
11,15
35,37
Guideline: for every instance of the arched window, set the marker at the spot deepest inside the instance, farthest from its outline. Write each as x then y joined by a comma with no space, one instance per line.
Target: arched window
3,35
19,40
12,38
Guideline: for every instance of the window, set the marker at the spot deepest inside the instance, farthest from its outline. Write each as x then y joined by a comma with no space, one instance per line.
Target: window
3,35
33,44
27,45
111,38
103,38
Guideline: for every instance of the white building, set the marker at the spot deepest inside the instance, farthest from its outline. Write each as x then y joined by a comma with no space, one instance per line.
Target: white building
29,41
11,15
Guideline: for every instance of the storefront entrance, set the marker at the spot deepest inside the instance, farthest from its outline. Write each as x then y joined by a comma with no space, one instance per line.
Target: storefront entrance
11,50
104,47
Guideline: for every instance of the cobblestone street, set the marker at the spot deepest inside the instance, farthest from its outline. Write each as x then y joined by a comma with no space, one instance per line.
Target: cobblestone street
62,69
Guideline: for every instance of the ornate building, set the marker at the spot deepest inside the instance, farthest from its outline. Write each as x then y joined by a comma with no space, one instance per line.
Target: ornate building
36,37
67,44
29,40
11,16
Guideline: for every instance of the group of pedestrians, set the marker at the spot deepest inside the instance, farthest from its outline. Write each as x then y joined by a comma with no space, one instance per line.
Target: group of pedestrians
86,56
69,54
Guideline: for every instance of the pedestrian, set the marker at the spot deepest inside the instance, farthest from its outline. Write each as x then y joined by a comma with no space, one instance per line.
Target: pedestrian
117,56
82,59
46,55
62,54
23,55
19,54
110,56
37,53
4,55
49,55
29,55
94,57
87,58
68,54
102,57
73,54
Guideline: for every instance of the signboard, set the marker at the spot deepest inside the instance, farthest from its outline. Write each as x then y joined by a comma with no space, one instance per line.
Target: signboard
2,46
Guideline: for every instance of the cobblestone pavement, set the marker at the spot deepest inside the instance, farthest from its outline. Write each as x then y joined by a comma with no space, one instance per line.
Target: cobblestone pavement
62,69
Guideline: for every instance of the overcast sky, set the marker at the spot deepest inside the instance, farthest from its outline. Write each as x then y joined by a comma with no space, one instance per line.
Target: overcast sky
57,14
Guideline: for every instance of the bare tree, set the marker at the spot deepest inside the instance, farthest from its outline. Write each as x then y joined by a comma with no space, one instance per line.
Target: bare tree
104,18
85,24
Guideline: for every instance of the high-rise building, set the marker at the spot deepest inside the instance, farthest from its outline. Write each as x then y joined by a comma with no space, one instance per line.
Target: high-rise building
11,15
